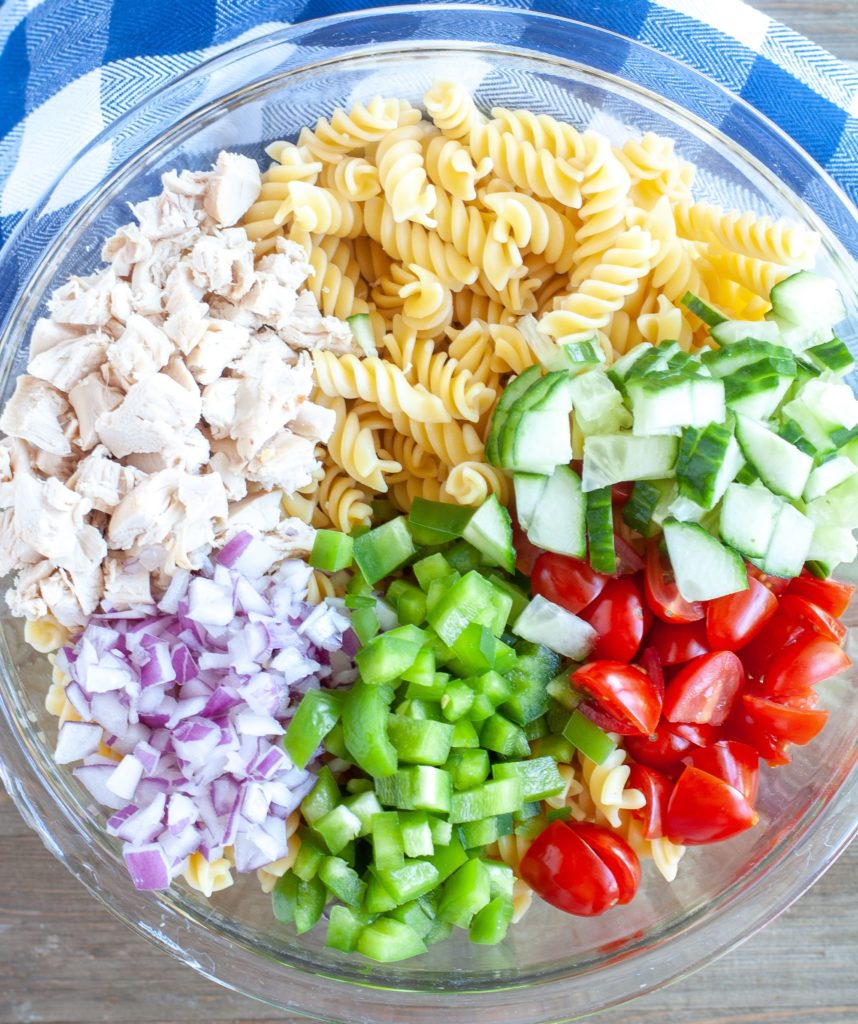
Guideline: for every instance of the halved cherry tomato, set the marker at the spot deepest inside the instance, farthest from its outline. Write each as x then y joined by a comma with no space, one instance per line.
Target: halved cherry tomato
803,663
678,642
566,581
665,748
777,584
618,617
705,809
620,494
593,710
831,596
782,722
526,554
628,560
662,593
624,691
796,613
703,690
570,871
736,763
620,859
656,789
734,620
650,662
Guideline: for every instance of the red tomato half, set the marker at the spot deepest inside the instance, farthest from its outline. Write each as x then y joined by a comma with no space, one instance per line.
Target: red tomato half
566,581
705,809
662,593
737,764
704,690
619,858
628,560
569,873
526,553
656,789
766,720
624,691
678,642
665,748
618,617
593,710
734,620
797,614
831,596
803,663
777,584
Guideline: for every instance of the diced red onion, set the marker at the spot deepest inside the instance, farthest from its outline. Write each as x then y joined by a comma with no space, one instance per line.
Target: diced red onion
148,867
233,549
175,592
209,604
126,776
76,740
148,756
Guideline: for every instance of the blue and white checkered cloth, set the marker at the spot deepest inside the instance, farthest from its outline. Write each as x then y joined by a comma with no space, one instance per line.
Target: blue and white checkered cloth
69,67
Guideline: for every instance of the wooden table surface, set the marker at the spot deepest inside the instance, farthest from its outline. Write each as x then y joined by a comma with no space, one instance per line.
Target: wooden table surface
63,960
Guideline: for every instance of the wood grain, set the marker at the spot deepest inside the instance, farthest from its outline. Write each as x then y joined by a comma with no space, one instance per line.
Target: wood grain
63,960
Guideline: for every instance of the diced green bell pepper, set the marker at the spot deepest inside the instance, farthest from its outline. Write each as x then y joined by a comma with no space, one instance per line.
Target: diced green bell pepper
338,827
331,551
365,714
539,777
342,881
420,742
322,798
344,927
416,834
489,925
284,897
388,850
309,904
465,892
413,879
384,549
387,940
504,737
502,796
418,788
431,568
470,599
592,741
318,712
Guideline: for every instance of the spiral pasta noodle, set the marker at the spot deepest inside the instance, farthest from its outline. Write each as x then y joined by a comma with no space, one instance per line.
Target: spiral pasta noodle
665,324
342,503
542,131
354,177
533,225
427,305
512,354
452,442
208,877
405,492
352,446
473,347
663,853
606,784
604,189
414,461
452,109
346,131
320,210
45,634
402,173
375,380
451,167
757,276
470,483
464,397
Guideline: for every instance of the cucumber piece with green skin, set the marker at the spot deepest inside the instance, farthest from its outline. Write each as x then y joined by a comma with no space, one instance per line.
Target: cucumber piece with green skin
536,435
489,530
663,404
558,522
828,476
638,510
748,515
620,369
702,310
829,547
544,622
789,545
684,362
756,390
732,332
833,405
799,337
782,467
598,404
837,507
510,394
529,489
361,327
654,361
600,531
725,361
809,299
792,432
704,568
708,459
614,458
831,355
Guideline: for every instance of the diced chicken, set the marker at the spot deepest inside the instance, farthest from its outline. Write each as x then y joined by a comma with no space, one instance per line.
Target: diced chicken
84,300
306,329
14,552
222,263
47,332
286,461
103,481
186,183
204,504
126,248
291,538
50,518
223,309
219,405
230,467
150,416
141,350
187,318
172,214
287,264
314,422
127,584
220,346
89,399
147,514
121,307
68,362
232,189
190,453
16,460
25,597
39,414
59,466
147,294
258,513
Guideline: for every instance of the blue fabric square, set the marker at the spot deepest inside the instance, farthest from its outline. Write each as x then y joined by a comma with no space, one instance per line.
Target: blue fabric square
811,120
15,69
159,26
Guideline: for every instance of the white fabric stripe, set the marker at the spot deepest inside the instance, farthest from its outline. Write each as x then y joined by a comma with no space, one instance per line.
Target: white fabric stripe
12,13
732,17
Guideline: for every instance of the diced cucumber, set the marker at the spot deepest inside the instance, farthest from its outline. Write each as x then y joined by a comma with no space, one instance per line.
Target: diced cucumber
808,299
600,531
789,545
702,310
575,356
827,476
704,567
621,367
597,404
536,441
731,332
748,516
544,622
798,338
361,327
614,458
662,404
831,404
838,506
654,361
558,522
709,458
831,355
829,546
780,465
489,530
758,389
722,362
513,390
529,489
639,509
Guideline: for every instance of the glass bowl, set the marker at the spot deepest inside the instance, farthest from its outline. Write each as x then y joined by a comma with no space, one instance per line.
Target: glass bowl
551,967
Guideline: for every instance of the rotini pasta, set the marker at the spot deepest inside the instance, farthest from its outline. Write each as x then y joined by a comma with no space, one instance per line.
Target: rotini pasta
512,354
604,188
352,446
342,504
473,347
208,877
452,109
533,225
353,129
402,173
606,784
320,211
452,442
470,483
464,397
757,276
354,177
45,634
451,167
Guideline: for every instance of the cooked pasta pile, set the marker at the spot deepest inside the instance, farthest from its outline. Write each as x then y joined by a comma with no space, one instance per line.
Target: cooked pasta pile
446,228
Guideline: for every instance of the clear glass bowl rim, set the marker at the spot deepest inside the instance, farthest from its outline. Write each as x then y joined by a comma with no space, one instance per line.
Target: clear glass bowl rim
740,911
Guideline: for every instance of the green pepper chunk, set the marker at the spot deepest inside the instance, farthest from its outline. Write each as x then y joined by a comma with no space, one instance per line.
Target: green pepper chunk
365,713
318,712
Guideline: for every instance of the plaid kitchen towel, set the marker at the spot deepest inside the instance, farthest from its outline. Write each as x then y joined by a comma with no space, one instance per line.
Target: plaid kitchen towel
69,67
